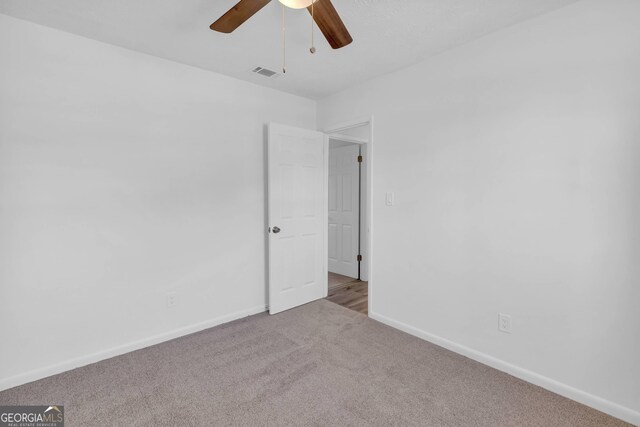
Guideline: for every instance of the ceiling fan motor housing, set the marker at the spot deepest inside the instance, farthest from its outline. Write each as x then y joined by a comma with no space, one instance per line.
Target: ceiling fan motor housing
296,4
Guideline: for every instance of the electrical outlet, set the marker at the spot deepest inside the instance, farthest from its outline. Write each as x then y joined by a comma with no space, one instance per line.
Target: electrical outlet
504,323
172,299
388,199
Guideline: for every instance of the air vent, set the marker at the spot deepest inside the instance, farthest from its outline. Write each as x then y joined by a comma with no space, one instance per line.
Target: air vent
265,72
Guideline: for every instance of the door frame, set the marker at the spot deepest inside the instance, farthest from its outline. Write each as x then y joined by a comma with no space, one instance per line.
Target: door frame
335,131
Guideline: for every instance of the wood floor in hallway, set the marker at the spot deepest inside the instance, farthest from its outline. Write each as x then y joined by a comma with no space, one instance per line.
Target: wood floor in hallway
349,292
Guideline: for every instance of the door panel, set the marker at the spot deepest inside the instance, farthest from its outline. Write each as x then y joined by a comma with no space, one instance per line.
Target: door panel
297,207
343,210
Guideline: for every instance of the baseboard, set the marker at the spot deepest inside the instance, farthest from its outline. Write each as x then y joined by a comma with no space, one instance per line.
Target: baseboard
37,374
606,406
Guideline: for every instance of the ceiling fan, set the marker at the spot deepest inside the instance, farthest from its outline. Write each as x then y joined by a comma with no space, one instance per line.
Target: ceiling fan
323,12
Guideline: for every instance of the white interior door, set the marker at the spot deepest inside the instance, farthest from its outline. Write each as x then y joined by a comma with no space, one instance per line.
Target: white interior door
344,183
297,195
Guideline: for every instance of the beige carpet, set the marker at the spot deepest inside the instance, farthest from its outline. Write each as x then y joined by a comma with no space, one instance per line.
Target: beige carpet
319,364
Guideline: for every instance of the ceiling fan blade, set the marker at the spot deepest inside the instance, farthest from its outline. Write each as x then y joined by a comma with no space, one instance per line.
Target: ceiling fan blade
330,24
239,13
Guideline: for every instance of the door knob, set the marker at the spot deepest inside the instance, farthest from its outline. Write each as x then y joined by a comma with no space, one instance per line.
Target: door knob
276,230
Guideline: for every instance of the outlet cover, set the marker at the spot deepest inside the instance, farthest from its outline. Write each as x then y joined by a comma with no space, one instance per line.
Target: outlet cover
504,323
388,199
172,299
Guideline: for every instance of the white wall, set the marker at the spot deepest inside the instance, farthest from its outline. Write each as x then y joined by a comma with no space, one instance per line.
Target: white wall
515,162
123,177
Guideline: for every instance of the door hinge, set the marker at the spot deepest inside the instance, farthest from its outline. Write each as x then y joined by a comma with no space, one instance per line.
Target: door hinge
359,159
359,257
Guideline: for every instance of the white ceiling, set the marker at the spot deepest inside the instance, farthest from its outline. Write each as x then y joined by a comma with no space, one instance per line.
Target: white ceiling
388,34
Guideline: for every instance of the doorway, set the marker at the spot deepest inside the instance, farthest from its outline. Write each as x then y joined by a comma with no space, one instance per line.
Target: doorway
297,217
347,269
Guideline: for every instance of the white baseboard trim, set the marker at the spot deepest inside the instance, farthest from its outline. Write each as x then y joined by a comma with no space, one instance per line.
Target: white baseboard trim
37,374
606,406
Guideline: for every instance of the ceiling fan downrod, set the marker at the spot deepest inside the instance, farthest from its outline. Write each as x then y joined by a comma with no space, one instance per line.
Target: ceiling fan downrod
313,17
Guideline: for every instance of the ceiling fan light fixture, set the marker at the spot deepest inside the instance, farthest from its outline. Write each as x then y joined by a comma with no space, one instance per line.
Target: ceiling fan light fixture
324,15
296,4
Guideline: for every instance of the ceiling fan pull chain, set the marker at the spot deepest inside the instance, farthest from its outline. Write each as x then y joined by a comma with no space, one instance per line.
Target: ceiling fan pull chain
313,47
284,42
